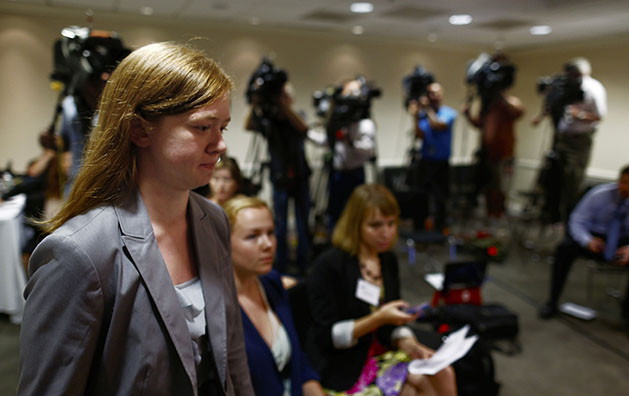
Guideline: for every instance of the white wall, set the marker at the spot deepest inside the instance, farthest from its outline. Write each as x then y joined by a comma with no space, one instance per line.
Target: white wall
313,60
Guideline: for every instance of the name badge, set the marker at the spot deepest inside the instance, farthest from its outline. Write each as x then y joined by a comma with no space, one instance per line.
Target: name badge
368,292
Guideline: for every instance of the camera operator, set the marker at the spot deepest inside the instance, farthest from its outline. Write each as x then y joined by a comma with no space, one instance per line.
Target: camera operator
76,122
272,115
495,120
433,126
574,130
84,61
353,145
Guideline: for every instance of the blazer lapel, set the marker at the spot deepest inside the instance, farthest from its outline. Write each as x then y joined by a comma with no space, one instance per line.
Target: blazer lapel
138,237
209,259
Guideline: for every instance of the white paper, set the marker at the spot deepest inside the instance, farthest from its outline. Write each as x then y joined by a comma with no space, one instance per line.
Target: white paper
578,311
435,280
452,349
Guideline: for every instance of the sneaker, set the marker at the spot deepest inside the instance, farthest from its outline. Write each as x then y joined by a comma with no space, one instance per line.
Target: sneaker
547,310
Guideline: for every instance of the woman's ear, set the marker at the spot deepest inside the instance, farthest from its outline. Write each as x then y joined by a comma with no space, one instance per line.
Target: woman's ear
139,133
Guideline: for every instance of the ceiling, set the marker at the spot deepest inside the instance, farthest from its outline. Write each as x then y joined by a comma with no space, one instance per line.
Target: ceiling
501,23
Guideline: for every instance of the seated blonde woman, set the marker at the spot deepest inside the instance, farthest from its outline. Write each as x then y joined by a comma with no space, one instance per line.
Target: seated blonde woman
354,296
277,364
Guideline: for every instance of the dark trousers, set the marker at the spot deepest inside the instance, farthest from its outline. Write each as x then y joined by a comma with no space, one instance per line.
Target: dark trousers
341,185
566,253
433,179
300,195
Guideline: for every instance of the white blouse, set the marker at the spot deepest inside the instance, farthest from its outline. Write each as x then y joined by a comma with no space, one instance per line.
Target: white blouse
190,296
281,348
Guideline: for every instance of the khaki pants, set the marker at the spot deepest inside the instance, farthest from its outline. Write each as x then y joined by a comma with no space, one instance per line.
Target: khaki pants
574,152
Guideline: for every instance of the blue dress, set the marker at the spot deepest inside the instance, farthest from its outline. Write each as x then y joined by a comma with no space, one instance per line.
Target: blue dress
265,377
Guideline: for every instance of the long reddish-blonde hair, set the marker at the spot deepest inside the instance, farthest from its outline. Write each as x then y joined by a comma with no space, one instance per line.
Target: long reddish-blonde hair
153,81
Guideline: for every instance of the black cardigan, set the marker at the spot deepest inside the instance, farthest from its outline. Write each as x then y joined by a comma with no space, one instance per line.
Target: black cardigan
331,294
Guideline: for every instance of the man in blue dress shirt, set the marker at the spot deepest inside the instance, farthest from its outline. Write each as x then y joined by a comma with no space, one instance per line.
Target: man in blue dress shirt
433,124
590,226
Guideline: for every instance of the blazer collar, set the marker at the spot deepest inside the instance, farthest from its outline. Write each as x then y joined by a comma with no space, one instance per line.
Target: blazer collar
210,258
137,235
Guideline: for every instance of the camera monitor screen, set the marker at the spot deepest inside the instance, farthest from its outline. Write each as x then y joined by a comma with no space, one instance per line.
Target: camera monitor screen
463,274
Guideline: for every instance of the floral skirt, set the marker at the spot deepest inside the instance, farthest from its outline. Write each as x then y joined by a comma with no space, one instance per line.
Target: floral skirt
382,375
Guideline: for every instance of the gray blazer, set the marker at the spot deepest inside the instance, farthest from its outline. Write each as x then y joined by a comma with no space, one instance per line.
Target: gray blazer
102,316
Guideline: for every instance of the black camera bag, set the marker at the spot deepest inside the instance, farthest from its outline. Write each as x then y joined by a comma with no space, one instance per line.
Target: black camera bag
490,322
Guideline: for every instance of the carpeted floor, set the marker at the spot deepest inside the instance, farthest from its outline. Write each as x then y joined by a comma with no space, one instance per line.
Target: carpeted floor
561,356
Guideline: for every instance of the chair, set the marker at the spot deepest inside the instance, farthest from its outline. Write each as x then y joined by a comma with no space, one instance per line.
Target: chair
599,266
463,191
411,200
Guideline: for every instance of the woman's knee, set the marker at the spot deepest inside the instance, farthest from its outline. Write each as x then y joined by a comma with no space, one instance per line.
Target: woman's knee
445,381
420,383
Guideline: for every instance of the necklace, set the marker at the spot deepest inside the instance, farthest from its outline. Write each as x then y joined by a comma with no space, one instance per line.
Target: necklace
372,274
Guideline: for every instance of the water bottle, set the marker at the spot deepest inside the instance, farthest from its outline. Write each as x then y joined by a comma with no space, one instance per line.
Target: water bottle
452,247
7,182
410,246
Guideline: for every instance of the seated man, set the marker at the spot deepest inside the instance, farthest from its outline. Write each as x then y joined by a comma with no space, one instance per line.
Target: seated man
598,228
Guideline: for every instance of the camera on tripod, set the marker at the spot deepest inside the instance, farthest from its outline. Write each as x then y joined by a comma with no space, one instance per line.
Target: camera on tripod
340,108
266,84
560,90
490,74
415,85
82,54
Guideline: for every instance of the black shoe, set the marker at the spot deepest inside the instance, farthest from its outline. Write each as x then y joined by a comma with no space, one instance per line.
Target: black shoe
547,311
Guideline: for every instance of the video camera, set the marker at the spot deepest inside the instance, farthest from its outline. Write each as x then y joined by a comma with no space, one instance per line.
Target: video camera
267,83
415,85
340,109
490,74
82,54
560,90
322,100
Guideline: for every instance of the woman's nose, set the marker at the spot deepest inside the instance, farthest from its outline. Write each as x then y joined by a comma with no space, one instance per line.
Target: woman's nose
217,143
267,241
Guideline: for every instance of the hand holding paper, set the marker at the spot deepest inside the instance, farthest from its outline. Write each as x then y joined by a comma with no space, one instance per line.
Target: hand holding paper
452,349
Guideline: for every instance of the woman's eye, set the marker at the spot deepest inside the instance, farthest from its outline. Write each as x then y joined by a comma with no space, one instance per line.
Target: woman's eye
203,128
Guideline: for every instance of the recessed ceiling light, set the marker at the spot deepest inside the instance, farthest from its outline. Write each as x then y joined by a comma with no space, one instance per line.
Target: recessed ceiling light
460,19
148,11
254,20
358,29
540,30
362,7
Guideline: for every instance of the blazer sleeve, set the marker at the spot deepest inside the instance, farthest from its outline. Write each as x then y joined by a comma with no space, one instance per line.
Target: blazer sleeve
324,295
391,280
236,350
237,354
61,322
